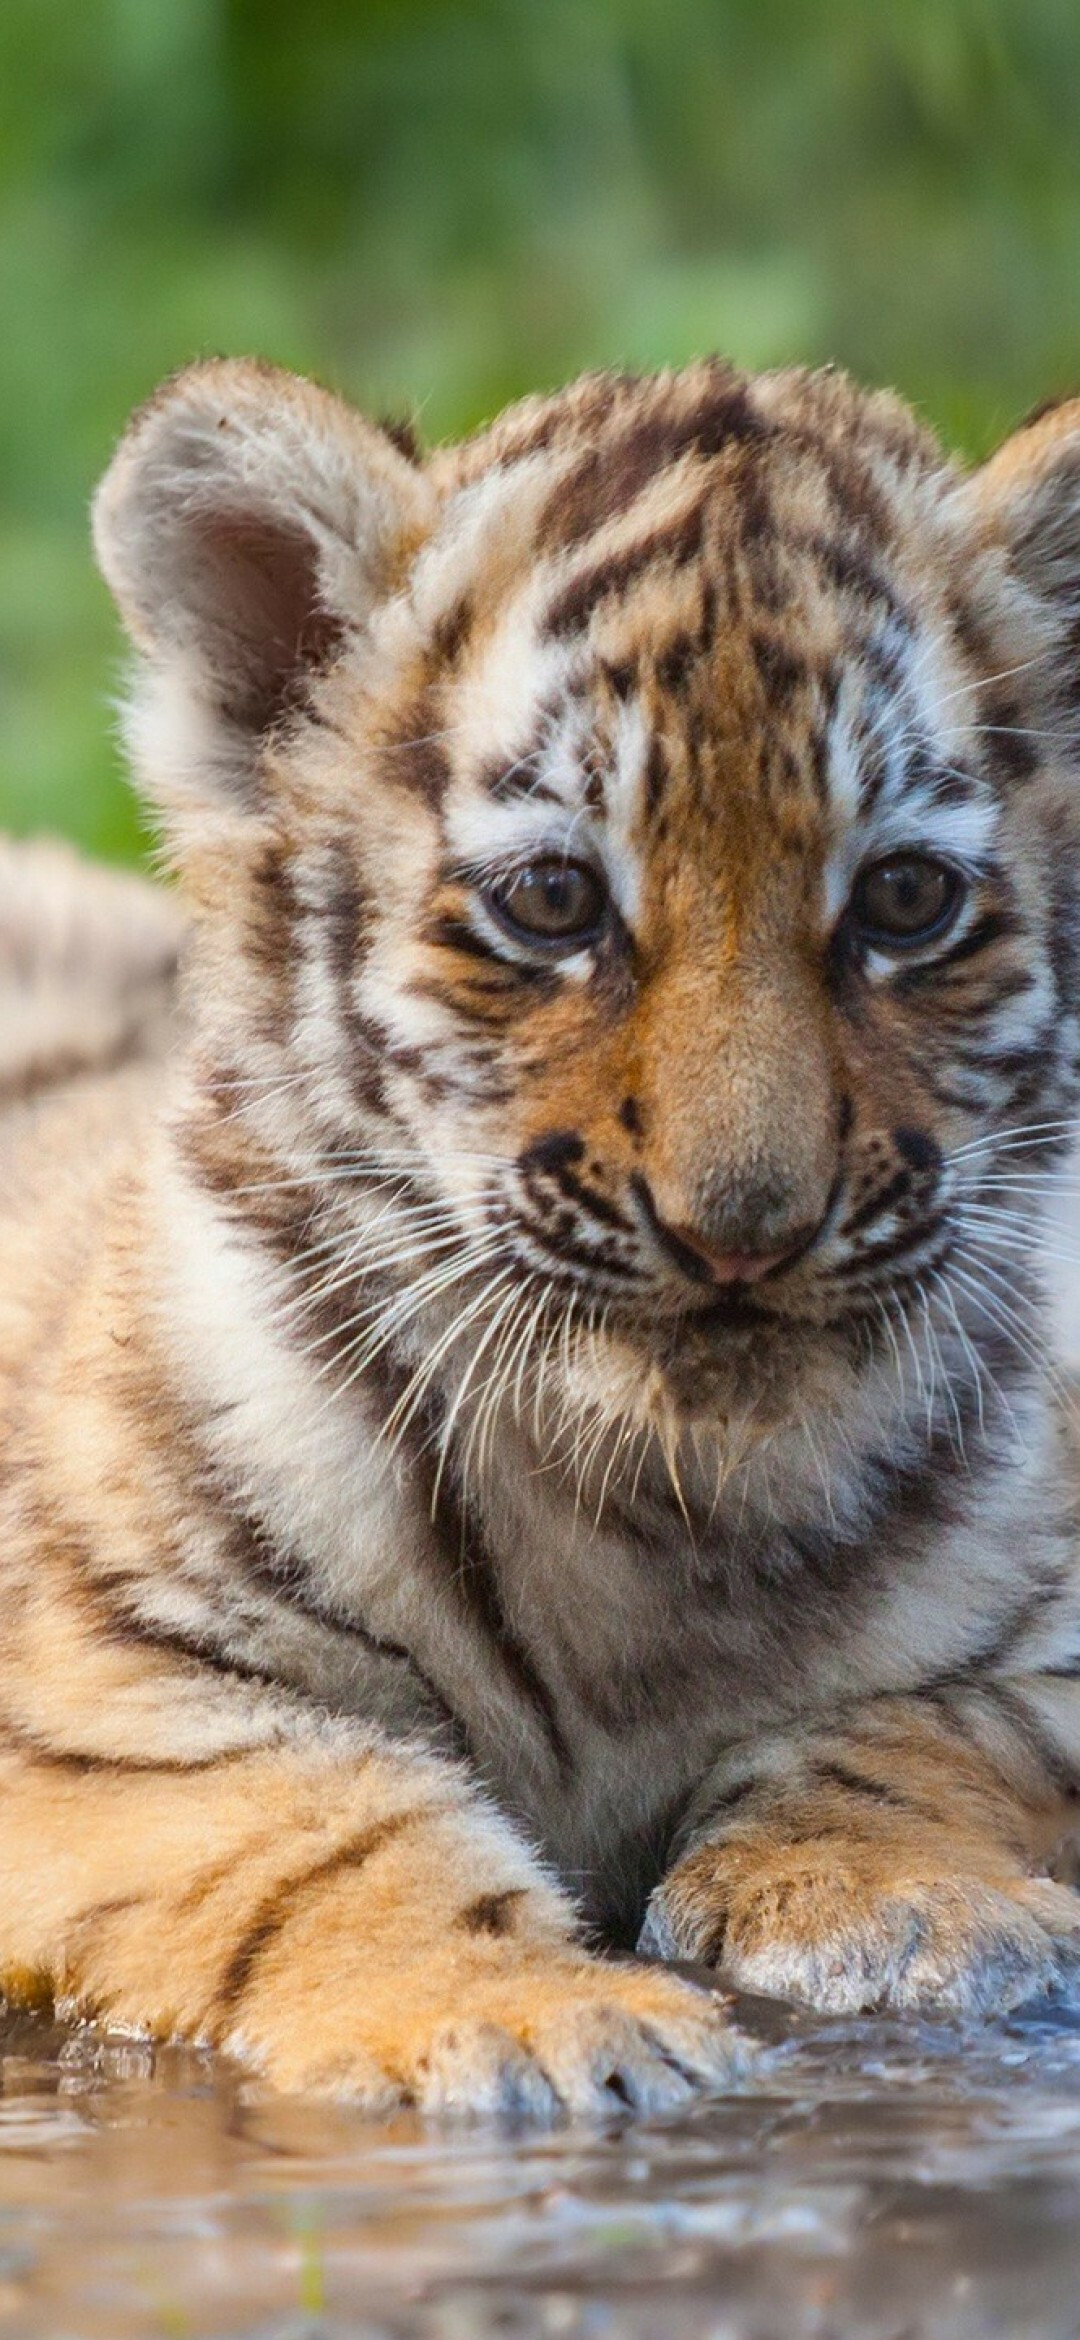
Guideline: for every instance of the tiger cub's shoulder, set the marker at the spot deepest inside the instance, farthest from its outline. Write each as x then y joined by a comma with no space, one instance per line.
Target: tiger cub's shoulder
88,960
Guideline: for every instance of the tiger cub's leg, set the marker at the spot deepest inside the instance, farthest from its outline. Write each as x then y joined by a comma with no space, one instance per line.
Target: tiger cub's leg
344,1917
900,1859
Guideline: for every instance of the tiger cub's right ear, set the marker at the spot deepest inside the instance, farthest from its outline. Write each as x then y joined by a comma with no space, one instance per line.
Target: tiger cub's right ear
1026,502
247,523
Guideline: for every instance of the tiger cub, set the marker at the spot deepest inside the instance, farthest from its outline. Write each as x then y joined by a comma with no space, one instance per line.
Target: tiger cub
531,1430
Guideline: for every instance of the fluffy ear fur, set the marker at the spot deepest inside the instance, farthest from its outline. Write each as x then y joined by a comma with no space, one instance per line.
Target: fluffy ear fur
246,525
1027,499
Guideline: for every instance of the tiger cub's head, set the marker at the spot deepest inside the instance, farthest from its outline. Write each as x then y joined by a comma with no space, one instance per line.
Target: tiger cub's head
638,848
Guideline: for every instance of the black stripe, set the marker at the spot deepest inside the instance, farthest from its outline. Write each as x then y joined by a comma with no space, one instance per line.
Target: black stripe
467,1565
85,1761
673,664
968,1678
616,467
560,1247
1020,1620
677,542
596,1204
452,630
856,1783
730,1799
1009,743
449,933
417,761
69,1064
547,1176
852,569
894,1192
1039,1053
347,920
780,672
1063,1774
275,1910
271,914
468,1561
878,1255
492,1913
128,1628
994,926
251,1551
946,1093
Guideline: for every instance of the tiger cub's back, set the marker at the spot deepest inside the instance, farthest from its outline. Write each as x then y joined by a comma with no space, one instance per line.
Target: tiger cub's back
88,962
87,969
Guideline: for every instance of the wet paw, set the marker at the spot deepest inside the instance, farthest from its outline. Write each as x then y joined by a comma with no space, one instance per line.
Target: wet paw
587,2058
538,2039
820,1932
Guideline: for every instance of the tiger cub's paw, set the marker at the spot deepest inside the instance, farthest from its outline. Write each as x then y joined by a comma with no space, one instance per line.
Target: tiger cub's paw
811,1925
536,2038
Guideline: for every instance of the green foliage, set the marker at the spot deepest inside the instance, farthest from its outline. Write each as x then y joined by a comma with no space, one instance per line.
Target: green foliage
437,204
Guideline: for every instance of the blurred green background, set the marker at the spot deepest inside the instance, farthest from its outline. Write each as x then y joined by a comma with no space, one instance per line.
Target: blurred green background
437,204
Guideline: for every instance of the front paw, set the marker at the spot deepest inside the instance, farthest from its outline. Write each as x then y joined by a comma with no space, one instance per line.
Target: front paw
533,2035
818,1925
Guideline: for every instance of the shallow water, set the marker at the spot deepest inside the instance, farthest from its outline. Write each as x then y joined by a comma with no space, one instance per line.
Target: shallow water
878,2181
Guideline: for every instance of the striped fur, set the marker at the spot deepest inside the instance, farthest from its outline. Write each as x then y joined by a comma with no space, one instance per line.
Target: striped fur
419,1538
87,970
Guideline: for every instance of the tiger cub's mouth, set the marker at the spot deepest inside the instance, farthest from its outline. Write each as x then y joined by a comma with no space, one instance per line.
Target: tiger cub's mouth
674,1289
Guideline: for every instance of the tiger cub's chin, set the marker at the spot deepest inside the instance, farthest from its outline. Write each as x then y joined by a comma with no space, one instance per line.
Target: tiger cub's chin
528,1421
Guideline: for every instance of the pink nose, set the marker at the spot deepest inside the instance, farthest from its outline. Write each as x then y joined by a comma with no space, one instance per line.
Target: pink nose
731,1267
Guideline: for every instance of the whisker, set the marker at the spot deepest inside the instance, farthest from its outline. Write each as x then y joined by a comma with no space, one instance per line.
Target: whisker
984,682
995,1225
980,1369
957,1441
508,1300
1063,739
887,1322
1000,1140
1024,1337
358,1265
390,1321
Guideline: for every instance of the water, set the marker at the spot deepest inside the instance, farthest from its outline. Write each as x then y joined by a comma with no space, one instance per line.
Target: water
879,2181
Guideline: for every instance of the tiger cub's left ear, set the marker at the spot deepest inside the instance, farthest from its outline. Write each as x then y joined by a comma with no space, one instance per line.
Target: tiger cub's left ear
1027,502
246,524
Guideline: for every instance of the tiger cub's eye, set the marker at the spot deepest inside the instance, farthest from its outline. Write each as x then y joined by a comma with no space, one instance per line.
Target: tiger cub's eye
550,901
908,898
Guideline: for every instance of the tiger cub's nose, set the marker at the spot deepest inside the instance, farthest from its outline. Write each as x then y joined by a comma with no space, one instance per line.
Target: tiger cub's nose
708,1261
729,1267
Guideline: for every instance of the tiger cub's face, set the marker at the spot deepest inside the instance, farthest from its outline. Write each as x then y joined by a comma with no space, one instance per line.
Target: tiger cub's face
645,834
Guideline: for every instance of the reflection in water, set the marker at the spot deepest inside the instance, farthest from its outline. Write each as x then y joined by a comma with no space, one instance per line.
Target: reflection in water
879,2181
